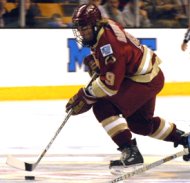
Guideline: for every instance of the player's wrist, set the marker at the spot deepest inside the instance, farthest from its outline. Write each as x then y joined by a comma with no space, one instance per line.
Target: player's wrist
89,97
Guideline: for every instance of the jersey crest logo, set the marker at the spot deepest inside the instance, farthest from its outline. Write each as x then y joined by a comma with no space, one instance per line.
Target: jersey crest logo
106,50
110,60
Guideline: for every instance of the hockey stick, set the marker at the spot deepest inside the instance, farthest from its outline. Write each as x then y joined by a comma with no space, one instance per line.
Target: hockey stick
150,166
16,163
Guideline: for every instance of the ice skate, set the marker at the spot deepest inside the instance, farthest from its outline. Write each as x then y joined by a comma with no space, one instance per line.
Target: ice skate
185,141
131,158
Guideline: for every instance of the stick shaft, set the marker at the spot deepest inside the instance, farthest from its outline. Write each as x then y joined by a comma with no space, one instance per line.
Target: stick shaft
14,162
62,125
56,134
150,166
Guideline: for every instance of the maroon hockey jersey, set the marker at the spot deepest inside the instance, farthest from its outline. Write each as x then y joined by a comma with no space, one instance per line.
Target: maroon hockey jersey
119,55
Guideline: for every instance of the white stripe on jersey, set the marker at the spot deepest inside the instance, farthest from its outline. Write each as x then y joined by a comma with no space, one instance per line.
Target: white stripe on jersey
147,62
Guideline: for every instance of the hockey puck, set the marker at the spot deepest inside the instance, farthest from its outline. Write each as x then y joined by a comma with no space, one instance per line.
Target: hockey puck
29,177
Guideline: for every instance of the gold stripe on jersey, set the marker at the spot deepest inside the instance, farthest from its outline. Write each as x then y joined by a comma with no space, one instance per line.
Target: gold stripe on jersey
99,36
99,89
114,125
145,78
146,62
118,32
163,131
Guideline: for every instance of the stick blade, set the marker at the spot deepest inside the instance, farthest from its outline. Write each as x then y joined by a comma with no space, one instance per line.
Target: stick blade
16,163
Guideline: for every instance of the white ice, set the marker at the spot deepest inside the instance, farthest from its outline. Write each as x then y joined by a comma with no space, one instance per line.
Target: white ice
27,127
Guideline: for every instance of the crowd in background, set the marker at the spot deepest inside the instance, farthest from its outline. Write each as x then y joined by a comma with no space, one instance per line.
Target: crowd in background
129,13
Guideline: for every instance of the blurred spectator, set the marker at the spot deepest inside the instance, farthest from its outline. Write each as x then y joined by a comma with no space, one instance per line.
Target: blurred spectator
122,4
130,15
2,11
112,10
100,7
165,13
184,13
12,18
184,6
56,21
84,1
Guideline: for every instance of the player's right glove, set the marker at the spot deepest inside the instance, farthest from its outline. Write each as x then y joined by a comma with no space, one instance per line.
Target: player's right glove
91,65
80,102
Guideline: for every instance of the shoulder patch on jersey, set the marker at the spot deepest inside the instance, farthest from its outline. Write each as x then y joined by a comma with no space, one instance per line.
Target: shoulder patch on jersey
106,50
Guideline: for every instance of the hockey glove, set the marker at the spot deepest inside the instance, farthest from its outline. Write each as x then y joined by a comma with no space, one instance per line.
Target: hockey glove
91,65
80,102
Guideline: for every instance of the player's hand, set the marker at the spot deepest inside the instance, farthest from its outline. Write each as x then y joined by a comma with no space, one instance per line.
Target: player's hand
91,65
184,46
80,102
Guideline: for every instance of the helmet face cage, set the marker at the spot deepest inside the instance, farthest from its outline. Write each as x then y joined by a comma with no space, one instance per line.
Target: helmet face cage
84,15
78,37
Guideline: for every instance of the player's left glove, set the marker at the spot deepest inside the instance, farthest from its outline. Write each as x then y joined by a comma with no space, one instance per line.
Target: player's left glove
80,102
91,65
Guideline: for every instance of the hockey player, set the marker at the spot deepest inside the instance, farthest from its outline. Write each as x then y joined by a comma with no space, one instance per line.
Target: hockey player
124,93
185,41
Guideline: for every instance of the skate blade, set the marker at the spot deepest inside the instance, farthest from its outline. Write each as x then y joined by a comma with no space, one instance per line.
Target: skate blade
119,170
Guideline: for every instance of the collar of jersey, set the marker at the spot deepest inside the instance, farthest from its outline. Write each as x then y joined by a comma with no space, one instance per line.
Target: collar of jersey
99,36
